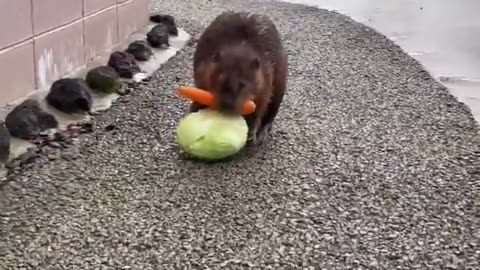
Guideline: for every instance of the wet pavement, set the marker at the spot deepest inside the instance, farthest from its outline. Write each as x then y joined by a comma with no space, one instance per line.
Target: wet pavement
443,35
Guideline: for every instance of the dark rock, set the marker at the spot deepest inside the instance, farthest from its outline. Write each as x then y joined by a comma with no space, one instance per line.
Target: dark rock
27,157
167,20
28,121
104,79
70,95
86,128
158,36
140,50
161,18
146,80
110,127
4,143
47,137
124,63
38,141
60,137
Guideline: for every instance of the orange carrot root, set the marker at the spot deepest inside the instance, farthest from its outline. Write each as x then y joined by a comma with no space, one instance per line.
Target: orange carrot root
206,98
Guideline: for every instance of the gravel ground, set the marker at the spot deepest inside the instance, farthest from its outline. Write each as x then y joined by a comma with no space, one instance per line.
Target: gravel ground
372,165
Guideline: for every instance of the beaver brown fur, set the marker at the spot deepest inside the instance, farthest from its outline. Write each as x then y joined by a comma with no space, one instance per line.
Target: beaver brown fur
240,55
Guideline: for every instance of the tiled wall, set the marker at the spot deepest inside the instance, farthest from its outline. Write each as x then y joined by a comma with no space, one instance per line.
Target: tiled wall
42,40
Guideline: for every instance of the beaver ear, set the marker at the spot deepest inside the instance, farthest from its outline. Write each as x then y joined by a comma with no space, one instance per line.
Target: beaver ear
256,63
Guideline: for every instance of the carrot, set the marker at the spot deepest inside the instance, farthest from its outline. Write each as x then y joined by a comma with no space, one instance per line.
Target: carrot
206,98
201,96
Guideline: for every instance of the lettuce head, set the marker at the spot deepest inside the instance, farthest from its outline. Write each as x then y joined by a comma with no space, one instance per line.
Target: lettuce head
211,135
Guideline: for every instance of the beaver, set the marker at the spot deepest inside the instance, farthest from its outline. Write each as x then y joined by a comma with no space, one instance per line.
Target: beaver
240,56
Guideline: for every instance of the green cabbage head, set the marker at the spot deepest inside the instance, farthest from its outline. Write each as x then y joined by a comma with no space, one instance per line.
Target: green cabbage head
211,135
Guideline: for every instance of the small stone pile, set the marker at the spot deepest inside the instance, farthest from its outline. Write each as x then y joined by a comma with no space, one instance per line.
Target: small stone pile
141,50
29,121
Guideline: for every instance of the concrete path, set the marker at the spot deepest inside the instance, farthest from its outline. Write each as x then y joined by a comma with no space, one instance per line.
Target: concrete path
372,165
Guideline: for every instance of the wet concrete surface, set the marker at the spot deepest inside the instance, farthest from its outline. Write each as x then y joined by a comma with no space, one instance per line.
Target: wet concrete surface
443,35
